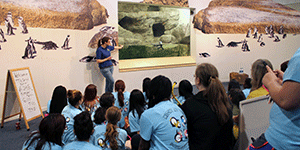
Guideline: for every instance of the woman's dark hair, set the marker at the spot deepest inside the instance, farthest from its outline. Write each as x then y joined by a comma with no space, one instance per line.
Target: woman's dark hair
74,97
215,91
99,116
107,100
83,126
284,65
120,87
185,89
90,93
58,100
113,116
51,129
247,84
137,102
146,86
258,70
160,89
233,84
236,95
103,40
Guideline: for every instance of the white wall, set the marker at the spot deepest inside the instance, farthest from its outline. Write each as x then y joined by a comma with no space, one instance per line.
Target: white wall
62,67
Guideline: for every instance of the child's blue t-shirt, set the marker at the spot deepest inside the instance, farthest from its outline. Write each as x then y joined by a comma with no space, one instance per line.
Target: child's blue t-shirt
124,109
134,121
165,126
80,145
69,112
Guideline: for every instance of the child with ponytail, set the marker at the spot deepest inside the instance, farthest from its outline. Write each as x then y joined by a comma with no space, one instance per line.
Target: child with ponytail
122,101
109,135
69,112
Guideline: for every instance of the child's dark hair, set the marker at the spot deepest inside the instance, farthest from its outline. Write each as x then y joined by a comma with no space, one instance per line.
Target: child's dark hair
160,89
107,100
83,126
137,102
51,129
236,95
146,86
99,116
185,89
58,100
90,93
120,87
247,84
74,97
113,116
233,84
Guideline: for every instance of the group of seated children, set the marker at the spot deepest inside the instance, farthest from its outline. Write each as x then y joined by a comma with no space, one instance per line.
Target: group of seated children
156,121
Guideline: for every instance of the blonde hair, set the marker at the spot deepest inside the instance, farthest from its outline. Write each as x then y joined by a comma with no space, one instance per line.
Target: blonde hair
258,70
113,116
215,92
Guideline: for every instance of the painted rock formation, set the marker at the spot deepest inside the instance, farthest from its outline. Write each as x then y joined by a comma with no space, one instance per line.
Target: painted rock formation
65,14
237,16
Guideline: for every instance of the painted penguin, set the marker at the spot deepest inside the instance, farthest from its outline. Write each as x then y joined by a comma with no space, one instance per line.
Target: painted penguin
220,44
29,49
248,33
255,33
259,38
245,46
9,28
22,25
66,43
2,35
276,39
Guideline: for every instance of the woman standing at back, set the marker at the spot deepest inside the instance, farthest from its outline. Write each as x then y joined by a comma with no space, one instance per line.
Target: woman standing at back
122,100
209,112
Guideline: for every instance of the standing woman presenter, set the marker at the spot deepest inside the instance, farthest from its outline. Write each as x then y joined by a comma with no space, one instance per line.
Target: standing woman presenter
103,57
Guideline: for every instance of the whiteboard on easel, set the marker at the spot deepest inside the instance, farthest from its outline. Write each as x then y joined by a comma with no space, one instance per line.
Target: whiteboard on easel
26,92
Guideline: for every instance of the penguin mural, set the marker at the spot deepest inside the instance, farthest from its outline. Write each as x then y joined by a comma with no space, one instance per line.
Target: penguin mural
220,44
245,46
29,49
10,19
9,28
2,35
284,36
280,30
259,38
66,43
255,33
248,33
267,30
276,39
204,54
87,59
22,25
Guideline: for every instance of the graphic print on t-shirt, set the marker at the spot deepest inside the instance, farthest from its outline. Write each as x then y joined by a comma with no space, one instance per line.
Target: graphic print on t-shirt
180,133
